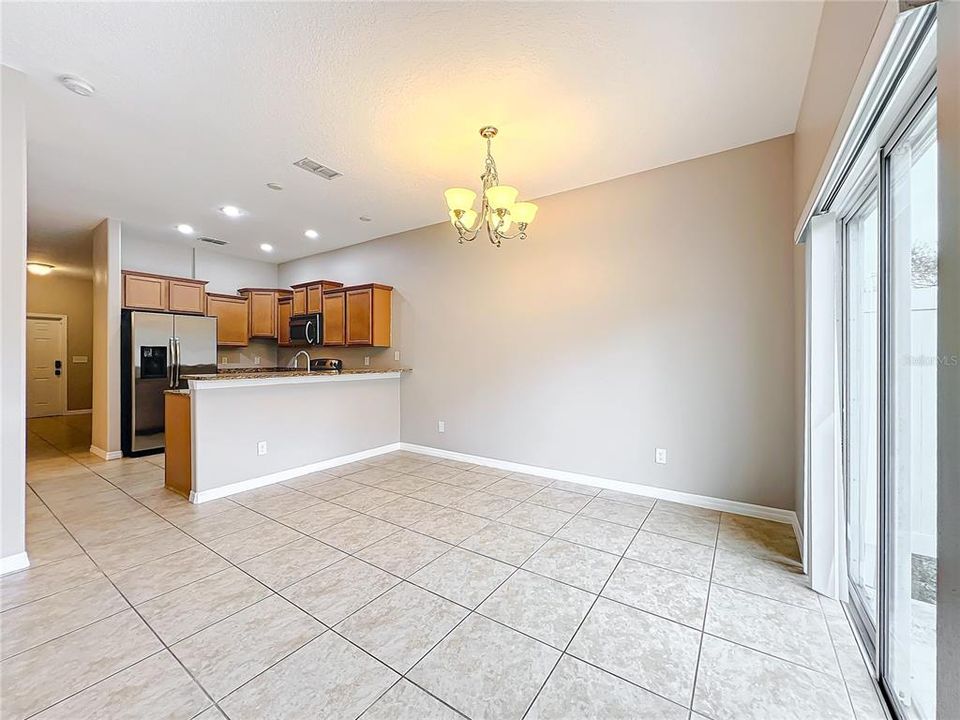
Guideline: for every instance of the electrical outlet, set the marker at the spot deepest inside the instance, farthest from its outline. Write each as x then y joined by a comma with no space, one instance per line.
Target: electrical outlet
661,456
262,447
441,426
396,355
256,359
223,360
366,360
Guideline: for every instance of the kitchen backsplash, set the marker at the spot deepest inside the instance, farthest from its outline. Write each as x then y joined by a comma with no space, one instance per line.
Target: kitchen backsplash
242,357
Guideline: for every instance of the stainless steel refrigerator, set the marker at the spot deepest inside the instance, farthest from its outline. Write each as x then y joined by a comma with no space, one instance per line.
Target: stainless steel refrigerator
158,350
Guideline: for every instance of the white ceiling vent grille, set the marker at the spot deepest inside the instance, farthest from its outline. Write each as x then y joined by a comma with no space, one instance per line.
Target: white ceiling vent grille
212,241
317,169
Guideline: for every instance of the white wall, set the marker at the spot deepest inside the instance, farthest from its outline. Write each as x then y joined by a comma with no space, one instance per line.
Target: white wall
656,310
147,255
226,273
358,414
13,313
105,436
850,38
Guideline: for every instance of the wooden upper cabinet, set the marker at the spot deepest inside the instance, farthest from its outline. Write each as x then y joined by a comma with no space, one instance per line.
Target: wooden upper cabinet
299,301
264,310
358,315
232,314
308,296
314,299
284,311
145,291
186,296
333,317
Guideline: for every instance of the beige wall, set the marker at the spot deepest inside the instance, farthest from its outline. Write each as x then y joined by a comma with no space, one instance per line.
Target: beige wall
835,82
72,297
655,310
13,318
105,436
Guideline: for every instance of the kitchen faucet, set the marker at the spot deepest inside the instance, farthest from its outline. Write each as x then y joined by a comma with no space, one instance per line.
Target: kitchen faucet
296,359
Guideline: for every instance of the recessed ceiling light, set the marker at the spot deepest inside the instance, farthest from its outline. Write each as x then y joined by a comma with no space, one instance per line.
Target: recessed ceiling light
275,186
364,218
76,85
266,247
185,229
231,211
37,268
312,234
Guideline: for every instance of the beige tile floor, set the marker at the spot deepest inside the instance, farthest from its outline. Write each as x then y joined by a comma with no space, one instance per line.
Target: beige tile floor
404,587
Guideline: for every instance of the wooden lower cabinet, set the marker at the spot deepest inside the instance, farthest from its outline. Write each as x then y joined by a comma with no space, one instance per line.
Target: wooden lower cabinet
232,315
178,462
359,315
284,312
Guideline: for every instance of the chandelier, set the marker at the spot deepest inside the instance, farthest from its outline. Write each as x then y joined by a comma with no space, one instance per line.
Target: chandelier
498,206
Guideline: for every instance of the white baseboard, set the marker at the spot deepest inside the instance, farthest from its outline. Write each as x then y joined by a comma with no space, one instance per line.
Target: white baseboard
106,455
253,483
88,411
704,501
12,563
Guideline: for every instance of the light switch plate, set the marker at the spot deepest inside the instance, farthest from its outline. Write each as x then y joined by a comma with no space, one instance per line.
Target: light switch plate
396,354
366,360
441,426
661,456
262,447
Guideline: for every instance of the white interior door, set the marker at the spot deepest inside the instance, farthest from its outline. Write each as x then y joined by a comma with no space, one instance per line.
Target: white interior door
45,381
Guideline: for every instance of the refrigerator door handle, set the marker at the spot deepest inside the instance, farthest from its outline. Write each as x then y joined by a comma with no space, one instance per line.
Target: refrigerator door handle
176,343
171,362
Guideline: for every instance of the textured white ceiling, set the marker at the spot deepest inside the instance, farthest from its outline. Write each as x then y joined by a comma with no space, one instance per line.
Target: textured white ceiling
201,104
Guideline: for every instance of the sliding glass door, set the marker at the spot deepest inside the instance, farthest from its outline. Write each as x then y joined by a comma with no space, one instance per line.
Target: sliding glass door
910,518
862,408
889,381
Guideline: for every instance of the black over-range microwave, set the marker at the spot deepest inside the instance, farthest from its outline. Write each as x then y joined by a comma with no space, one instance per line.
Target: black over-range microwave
307,329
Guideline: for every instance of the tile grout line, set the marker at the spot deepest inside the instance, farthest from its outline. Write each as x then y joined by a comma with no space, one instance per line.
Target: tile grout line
399,527
131,607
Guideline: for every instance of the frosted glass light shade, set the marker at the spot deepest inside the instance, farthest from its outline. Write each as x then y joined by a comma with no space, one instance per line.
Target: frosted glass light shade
460,198
468,219
502,196
504,226
523,212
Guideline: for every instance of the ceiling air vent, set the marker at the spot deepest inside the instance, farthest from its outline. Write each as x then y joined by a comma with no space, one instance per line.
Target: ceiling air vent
317,169
212,241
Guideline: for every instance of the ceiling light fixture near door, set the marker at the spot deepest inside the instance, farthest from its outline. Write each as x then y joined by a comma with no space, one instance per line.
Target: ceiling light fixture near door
231,211
312,234
498,206
77,85
266,247
185,229
38,268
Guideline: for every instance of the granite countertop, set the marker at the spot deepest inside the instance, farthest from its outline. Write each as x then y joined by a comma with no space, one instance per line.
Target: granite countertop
272,373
